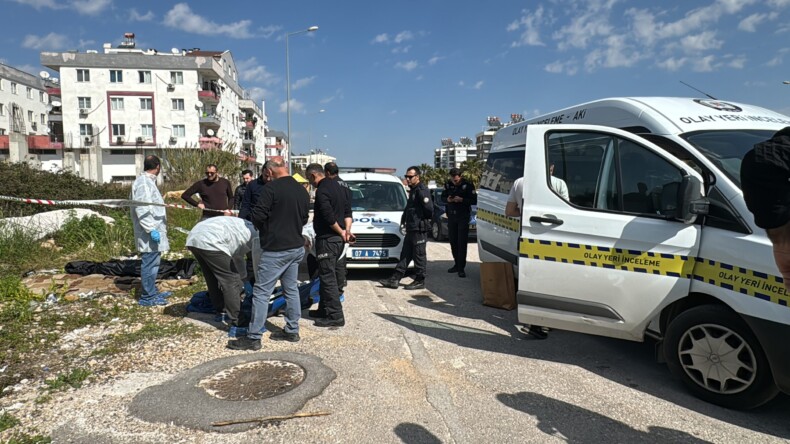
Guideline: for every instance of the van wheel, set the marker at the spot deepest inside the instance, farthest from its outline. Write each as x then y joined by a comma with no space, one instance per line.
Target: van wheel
718,358
436,232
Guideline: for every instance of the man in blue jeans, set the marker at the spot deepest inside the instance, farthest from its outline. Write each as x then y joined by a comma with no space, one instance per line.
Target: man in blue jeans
279,215
150,230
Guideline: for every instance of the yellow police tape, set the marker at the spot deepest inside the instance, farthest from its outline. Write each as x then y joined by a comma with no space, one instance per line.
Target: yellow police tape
510,223
738,279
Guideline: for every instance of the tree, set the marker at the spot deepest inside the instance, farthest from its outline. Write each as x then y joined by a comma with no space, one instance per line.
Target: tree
472,170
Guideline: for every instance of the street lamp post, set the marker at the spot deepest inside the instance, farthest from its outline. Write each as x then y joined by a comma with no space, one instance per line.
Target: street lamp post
288,90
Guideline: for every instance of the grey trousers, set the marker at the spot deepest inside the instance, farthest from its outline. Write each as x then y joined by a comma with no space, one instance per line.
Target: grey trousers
223,281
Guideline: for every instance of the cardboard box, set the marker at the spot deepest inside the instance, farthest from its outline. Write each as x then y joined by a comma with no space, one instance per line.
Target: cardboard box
498,285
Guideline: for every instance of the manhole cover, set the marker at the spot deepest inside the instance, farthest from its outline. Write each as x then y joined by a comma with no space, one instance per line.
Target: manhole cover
254,381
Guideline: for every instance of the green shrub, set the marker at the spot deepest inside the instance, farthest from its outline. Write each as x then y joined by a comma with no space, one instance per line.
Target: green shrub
73,379
23,438
19,250
7,421
20,180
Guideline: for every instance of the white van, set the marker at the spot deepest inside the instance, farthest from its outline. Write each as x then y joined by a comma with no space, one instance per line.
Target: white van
377,201
655,238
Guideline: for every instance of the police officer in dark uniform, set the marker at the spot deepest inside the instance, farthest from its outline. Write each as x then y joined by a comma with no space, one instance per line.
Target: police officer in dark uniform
332,171
417,220
459,196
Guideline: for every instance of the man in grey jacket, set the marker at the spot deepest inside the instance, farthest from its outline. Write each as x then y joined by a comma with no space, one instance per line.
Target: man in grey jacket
150,230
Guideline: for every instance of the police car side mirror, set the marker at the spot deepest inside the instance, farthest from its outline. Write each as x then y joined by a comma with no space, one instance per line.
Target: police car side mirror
692,202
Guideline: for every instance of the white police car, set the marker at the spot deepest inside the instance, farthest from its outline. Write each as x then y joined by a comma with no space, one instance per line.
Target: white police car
378,201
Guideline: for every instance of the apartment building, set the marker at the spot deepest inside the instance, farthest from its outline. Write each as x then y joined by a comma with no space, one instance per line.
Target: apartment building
314,156
24,124
118,104
484,138
453,154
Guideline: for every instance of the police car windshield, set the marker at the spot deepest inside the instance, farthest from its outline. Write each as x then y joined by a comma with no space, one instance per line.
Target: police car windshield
377,196
727,148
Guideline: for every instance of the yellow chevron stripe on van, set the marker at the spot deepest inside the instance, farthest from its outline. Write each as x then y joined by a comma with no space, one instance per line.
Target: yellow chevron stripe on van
738,279
500,220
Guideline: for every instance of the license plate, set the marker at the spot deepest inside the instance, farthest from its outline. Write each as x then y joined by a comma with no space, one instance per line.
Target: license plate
369,254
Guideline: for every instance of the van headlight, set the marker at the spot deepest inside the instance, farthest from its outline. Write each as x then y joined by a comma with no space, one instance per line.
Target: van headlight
403,230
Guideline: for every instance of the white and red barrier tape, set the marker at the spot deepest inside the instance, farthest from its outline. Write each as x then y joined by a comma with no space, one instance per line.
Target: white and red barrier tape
110,203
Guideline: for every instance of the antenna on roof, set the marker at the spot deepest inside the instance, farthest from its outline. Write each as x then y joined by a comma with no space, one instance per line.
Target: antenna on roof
695,89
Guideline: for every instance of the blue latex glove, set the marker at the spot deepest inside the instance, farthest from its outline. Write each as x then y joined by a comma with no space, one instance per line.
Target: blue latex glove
155,236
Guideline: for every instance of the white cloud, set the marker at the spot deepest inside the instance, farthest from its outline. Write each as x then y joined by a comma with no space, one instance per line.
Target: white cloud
268,31
411,65
569,67
381,38
530,22
301,83
401,49
137,17
673,64
338,95
90,7
403,36
258,94
755,84
703,41
296,106
779,3
586,25
478,84
181,17
704,64
737,62
433,60
250,71
51,41
84,7
461,83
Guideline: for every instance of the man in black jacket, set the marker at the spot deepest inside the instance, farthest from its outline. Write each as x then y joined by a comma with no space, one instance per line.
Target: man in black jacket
333,172
459,195
254,190
331,215
417,220
238,195
279,215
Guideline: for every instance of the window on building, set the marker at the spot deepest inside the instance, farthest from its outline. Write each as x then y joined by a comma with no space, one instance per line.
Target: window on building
30,116
179,131
2,109
83,75
144,76
178,104
2,131
116,76
29,92
86,129
84,102
146,103
2,85
13,88
43,118
147,131
118,130
176,77
42,96
116,103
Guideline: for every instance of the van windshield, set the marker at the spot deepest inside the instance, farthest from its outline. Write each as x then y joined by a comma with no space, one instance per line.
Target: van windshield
377,196
727,148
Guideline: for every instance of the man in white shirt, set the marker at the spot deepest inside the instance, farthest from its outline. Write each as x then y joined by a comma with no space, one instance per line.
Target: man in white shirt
513,206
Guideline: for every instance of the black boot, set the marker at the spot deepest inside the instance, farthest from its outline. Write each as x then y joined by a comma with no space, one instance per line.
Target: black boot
390,282
416,285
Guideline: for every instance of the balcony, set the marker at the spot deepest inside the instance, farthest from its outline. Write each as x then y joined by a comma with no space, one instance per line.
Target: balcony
42,143
250,124
208,143
208,96
210,120
53,92
55,117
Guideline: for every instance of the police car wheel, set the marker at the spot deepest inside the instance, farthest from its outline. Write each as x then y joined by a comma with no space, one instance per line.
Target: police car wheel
436,231
718,358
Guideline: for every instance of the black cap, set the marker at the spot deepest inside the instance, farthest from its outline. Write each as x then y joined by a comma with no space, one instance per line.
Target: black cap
765,180
455,172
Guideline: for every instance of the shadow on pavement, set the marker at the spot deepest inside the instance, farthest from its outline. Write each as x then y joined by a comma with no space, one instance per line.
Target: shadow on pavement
411,433
574,424
628,363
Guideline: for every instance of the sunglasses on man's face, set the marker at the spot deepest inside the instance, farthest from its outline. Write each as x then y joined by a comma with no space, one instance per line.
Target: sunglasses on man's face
210,173
408,177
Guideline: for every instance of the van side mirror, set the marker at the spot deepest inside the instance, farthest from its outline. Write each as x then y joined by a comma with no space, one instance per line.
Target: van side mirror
692,202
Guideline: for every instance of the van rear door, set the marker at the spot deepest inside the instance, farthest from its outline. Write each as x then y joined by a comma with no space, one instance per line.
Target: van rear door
607,257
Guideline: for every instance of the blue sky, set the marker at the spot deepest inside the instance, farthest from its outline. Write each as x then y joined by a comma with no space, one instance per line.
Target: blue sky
396,77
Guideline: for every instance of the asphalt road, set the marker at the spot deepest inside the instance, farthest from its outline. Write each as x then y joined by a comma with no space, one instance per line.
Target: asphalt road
438,366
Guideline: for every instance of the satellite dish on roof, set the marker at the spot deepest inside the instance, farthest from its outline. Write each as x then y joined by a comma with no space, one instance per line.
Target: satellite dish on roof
43,75
210,132
49,107
175,50
56,103
55,80
199,105
48,130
